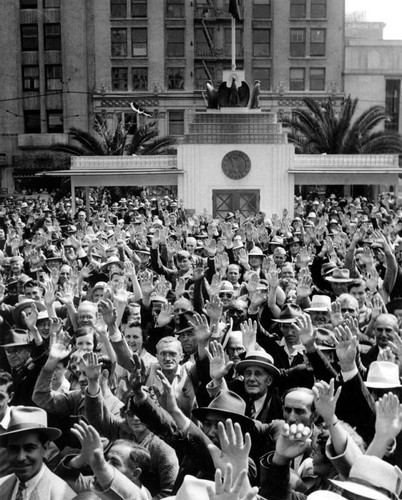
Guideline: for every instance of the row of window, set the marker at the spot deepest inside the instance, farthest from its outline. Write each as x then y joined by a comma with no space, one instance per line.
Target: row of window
137,79
204,46
299,9
53,77
138,8
54,121
139,42
30,38
33,4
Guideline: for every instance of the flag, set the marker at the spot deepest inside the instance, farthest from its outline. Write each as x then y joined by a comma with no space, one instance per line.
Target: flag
234,9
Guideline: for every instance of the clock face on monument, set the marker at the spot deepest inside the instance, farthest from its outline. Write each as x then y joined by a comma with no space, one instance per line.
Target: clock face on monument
236,165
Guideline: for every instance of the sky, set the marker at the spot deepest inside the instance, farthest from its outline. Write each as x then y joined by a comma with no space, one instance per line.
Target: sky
387,11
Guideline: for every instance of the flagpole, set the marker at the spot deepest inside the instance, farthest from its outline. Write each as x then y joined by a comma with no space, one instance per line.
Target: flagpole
233,44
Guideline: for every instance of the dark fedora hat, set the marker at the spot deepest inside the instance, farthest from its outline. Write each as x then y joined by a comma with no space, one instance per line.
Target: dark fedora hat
18,337
227,404
289,313
184,322
28,419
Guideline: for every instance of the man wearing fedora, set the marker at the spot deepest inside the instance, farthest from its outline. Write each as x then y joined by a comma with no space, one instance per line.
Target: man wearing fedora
25,355
27,439
189,440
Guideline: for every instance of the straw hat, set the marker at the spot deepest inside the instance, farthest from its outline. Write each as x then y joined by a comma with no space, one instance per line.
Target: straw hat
28,418
258,358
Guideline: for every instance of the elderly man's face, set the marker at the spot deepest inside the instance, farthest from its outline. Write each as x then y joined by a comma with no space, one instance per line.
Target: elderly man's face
385,329
234,349
256,381
169,356
86,315
320,318
17,356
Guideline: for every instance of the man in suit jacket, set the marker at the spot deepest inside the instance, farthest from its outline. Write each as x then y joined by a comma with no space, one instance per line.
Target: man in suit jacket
27,440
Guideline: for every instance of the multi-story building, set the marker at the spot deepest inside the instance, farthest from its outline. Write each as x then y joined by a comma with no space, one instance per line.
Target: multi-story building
373,68
66,60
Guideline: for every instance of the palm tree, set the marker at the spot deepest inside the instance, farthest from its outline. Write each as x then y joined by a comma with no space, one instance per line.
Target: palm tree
107,142
320,129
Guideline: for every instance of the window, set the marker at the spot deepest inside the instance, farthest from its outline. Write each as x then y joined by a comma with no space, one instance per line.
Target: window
139,8
175,78
28,4
175,8
118,8
317,42
175,42
53,75
317,79
51,4
261,42
119,42
228,42
32,122
52,36
264,76
55,120
29,37
202,43
392,103
139,78
298,9
119,78
139,42
202,74
297,79
297,43
30,78
318,9
176,122
262,9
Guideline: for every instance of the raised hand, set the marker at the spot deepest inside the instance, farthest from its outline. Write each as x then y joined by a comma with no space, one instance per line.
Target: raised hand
227,489
234,448
253,283
165,316
66,295
108,311
303,288
388,423
32,318
305,330
214,308
166,398
138,374
346,348
146,283
249,334
325,399
91,366
201,328
90,441
215,286
218,367
180,287
292,442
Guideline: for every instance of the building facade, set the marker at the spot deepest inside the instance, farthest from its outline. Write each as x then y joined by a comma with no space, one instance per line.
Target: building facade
66,60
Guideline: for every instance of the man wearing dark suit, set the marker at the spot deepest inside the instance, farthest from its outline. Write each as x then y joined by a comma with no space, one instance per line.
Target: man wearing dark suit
27,440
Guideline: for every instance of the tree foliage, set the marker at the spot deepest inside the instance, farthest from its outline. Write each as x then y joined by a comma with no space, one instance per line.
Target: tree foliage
318,128
115,142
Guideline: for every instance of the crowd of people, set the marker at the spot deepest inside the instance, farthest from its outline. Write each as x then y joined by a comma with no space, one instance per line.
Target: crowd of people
148,352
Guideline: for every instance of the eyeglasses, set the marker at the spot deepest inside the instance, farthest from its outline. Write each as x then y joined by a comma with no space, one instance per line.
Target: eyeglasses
225,295
348,310
386,330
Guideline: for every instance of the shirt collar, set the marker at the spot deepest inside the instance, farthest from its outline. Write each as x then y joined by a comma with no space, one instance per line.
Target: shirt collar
33,482
6,419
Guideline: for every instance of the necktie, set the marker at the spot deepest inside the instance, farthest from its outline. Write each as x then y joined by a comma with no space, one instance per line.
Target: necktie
20,491
252,410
